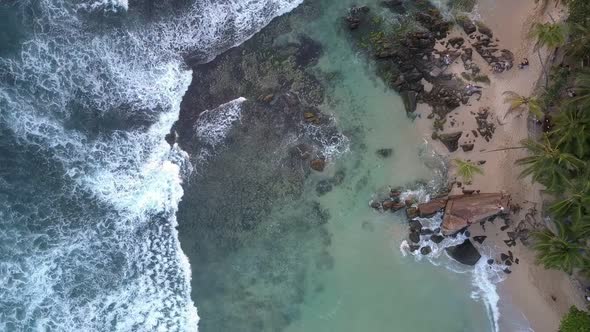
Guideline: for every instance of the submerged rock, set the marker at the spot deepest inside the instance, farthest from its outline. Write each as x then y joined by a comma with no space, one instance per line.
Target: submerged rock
385,152
318,164
465,253
323,187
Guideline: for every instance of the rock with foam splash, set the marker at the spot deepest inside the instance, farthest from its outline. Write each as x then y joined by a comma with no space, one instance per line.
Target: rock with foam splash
429,209
464,253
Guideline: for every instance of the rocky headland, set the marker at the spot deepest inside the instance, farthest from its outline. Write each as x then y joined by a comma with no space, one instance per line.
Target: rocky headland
452,71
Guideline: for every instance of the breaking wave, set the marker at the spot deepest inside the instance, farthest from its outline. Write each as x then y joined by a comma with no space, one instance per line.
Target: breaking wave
484,276
89,187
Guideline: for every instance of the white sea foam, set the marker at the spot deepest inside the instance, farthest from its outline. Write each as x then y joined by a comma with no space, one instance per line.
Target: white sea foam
68,71
106,5
212,126
484,277
334,144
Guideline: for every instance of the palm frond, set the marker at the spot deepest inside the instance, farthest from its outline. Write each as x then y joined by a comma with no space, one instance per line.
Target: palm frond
467,170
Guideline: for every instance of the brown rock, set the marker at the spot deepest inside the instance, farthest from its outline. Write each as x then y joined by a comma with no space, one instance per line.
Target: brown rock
268,98
426,210
412,212
397,206
308,115
318,164
463,210
387,205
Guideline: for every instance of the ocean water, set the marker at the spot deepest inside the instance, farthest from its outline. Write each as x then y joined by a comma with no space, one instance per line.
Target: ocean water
106,227
88,186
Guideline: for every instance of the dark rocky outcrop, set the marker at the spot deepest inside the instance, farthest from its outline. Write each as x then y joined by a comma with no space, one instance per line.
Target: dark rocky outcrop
451,140
437,238
467,147
464,253
410,100
484,30
414,237
467,24
456,42
415,226
425,250
480,239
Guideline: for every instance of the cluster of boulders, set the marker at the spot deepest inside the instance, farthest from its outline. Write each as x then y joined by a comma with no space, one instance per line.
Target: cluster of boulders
460,212
414,65
485,127
485,44
393,203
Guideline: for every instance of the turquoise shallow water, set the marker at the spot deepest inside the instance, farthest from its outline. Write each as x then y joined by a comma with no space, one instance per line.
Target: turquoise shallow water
372,287
345,273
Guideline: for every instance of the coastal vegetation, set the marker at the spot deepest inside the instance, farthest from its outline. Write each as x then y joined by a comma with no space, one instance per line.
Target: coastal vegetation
560,158
467,170
518,102
575,321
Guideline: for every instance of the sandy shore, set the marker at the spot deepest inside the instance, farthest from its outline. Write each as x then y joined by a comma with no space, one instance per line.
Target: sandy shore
541,295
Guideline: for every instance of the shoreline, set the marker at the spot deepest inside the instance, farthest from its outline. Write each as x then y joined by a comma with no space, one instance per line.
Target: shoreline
542,296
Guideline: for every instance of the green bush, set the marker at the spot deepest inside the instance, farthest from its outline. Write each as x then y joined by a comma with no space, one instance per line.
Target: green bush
575,321
579,11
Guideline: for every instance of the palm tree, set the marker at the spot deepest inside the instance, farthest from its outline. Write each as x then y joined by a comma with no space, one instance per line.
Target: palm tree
466,169
576,205
547,164
550,35
545,3
562,251
582,86
572,131
517,102
579,46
